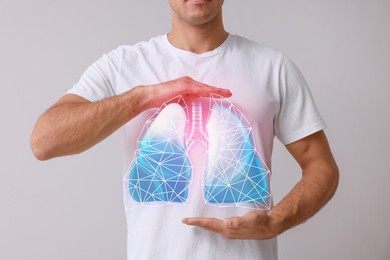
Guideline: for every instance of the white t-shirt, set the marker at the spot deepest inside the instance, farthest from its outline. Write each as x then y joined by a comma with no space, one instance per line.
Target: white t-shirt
164,185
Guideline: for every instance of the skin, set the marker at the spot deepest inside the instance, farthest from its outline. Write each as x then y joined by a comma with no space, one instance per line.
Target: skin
73,125
197,27
202,22
316,187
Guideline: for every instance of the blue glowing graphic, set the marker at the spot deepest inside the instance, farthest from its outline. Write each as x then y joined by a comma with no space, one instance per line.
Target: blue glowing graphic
235,175
162,171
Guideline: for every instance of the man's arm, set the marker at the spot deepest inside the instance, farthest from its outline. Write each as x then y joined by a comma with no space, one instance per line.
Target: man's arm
73,124
317,186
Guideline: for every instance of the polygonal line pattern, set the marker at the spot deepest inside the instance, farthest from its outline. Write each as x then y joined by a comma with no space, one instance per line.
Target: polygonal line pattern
235,174
161,171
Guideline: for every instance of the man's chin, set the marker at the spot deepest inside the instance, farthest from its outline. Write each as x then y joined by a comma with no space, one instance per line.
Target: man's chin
197,2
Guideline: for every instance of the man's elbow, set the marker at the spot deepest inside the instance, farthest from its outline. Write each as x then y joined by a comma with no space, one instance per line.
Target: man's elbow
335,176
39,149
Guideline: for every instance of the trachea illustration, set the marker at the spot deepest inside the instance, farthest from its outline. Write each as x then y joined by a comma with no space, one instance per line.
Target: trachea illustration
197,133
161,172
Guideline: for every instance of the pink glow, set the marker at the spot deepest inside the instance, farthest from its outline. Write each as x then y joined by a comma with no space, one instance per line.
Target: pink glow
199,110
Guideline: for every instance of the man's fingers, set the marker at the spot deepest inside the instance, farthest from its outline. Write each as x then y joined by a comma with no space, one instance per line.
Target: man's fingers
252,225
212,224
185,86
204,90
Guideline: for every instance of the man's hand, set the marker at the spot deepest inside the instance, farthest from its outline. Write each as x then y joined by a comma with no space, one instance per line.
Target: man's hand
318,184
73,124
253,225
156,95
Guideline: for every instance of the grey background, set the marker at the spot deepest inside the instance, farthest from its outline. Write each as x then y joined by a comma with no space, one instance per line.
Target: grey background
71,208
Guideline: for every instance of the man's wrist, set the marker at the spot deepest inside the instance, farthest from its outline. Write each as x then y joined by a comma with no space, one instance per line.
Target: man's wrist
135,101
276,222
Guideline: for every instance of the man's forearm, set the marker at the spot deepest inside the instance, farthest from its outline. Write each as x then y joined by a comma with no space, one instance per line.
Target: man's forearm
73,127
310,194
74,124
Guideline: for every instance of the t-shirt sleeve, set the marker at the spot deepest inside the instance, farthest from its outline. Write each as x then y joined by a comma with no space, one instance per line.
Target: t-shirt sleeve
95,83
298,115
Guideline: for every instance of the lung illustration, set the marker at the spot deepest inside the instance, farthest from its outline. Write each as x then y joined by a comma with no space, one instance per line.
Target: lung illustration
161,170
235,174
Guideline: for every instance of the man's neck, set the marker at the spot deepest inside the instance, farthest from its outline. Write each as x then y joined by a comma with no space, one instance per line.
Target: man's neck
197,38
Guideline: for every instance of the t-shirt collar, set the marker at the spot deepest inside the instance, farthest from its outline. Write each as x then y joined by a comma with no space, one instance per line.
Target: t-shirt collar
194,55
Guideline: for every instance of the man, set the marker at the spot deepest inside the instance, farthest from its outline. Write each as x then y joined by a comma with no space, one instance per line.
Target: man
266,95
